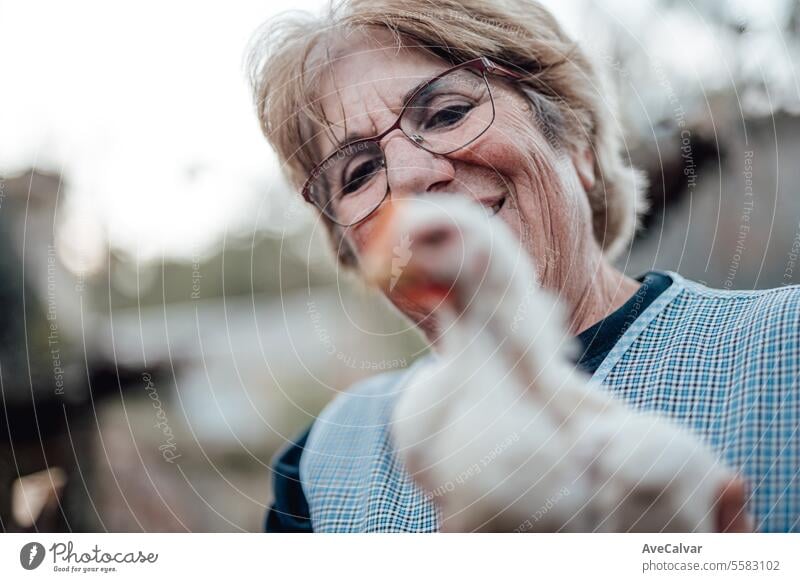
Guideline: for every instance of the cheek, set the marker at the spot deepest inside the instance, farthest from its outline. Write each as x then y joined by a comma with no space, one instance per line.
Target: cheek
540,179
519,153
550,211
359,236
495,150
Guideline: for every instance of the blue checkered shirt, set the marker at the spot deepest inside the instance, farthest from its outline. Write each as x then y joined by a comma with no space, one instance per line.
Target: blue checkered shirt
726,364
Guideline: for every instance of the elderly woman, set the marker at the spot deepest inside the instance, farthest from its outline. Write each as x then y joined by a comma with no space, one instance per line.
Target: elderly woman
356,99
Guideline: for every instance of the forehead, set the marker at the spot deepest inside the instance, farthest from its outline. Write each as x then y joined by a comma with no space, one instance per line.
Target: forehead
363,81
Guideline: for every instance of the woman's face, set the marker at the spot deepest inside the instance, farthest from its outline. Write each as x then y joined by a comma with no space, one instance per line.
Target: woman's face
543,184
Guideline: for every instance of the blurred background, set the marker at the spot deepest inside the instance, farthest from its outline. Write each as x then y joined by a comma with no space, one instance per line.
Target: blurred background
169,312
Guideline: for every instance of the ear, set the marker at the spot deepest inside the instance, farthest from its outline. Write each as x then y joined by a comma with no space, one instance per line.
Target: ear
583,161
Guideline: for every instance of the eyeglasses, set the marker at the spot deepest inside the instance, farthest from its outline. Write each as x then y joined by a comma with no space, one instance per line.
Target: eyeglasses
442,116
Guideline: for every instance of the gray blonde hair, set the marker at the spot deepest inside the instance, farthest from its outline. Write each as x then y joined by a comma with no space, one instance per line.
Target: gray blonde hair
569,95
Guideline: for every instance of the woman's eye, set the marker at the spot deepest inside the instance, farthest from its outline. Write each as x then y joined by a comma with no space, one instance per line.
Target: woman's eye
448,116
360,174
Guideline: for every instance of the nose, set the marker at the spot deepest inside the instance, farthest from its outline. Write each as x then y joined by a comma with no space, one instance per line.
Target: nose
412,170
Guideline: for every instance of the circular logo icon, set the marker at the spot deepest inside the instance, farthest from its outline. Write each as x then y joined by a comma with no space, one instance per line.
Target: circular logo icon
31,555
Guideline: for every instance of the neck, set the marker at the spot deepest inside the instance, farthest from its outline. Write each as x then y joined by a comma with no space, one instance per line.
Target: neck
598,295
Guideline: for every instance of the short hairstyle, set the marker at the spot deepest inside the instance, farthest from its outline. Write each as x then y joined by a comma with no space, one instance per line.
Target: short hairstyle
519,34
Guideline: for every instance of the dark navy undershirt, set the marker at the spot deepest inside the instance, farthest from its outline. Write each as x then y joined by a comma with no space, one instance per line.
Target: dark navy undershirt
289,512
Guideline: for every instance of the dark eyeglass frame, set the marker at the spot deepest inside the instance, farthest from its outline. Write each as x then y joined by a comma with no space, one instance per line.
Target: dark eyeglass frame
481,65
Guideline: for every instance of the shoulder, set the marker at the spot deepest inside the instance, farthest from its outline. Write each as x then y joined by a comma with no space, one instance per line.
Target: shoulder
352,477
351,428
289,510
366,403
740,310
693,326
355,424
751,325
